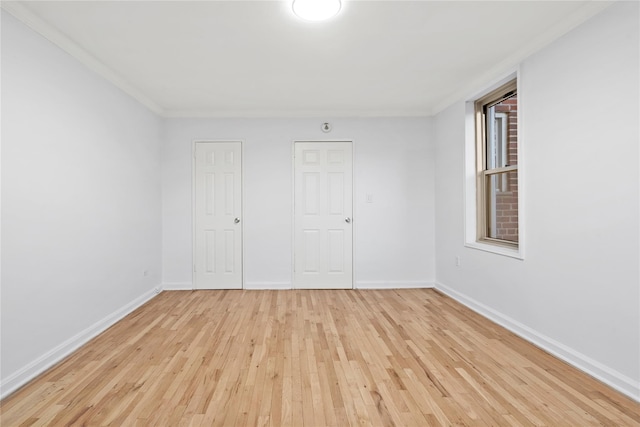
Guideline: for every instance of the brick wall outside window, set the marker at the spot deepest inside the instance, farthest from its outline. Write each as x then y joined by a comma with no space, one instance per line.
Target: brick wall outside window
507,201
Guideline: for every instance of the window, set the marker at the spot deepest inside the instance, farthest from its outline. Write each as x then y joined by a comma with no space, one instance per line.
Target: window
496,129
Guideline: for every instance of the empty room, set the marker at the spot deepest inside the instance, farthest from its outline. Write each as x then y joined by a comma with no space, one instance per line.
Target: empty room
320,213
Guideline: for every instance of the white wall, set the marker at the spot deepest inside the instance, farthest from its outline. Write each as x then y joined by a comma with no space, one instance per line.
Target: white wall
80,203
394,235
577,291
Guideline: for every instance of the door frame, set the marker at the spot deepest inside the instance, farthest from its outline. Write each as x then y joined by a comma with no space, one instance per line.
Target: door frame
193,204
353,205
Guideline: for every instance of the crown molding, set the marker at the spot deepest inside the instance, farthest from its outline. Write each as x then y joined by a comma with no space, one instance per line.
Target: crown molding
33,21
279,113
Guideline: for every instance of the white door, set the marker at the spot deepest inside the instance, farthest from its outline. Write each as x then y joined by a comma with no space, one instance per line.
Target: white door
218,207
323,215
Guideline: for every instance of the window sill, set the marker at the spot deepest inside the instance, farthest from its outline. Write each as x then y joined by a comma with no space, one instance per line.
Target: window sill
512,252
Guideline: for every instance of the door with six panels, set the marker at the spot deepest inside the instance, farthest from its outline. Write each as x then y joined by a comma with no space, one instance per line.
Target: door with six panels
218,209
323,222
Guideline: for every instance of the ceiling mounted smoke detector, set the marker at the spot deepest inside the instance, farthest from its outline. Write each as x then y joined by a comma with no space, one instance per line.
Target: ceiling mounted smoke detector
316,10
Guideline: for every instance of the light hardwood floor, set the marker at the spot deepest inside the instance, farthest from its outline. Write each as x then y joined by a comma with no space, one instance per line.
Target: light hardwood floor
313,358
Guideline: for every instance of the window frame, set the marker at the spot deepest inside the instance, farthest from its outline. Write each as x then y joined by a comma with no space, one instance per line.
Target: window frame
472,186
492,98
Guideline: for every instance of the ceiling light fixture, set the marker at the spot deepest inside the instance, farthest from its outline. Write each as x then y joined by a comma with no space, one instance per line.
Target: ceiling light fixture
316,10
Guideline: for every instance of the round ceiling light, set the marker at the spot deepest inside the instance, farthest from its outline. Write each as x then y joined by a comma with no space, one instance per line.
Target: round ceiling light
316,10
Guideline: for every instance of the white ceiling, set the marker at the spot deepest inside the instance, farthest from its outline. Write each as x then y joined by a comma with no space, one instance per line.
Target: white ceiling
256,59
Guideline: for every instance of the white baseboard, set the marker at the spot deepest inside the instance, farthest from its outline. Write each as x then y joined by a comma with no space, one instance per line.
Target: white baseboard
188,286
605,374
177,286
55,355
358,285
364,284
182,286
268,285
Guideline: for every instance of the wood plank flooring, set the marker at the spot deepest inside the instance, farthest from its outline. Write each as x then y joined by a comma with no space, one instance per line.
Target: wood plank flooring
312,358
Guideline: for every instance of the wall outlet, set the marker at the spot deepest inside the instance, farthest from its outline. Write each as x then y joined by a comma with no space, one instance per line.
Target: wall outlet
369,198
145,273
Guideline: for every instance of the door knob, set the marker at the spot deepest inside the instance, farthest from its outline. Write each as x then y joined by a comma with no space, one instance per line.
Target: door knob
347,220
237,220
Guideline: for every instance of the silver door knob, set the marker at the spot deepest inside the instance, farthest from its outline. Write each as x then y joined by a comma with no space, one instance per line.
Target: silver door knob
347,220
237,220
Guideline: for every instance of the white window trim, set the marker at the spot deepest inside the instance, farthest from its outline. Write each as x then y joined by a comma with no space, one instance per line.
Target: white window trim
470,174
